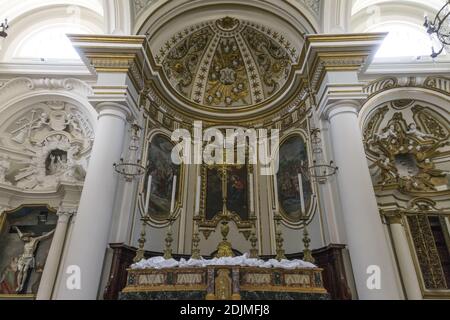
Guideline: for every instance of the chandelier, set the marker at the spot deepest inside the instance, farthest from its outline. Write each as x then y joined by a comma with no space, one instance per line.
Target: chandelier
131,167
439,29
320,169
3,27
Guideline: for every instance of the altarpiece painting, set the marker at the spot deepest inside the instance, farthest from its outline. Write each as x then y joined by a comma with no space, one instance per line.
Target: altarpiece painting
25,238
236,192
163,171
293,161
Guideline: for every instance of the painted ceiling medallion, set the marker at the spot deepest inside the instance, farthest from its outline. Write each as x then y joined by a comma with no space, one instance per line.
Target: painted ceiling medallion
227,63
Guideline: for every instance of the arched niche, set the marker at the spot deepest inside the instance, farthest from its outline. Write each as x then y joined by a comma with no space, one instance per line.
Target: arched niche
406,133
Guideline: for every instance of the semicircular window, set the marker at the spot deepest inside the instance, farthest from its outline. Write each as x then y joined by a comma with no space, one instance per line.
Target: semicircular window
163,172
294,201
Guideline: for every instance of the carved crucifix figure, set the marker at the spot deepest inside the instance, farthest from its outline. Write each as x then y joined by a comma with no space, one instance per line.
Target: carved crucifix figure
27,260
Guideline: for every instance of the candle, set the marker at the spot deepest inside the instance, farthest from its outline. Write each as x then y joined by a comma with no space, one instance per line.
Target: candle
302,197
149,191
252,204
174,191
197,195
275,187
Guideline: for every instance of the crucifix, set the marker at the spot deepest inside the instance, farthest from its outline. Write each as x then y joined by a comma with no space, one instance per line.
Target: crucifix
225,248
26,261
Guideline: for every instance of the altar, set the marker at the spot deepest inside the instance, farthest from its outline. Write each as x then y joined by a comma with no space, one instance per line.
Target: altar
257,280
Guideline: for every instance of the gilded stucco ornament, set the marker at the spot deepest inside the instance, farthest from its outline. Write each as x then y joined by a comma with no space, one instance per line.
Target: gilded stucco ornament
227,63
405,152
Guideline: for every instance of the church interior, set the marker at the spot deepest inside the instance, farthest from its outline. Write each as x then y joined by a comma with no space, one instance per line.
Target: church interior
224,150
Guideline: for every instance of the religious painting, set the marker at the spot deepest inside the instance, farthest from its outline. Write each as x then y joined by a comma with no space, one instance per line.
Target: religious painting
236,191
25,238
293,161
163,172
214,194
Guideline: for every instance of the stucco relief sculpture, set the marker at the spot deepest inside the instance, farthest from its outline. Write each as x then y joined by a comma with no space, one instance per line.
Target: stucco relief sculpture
405,152
57,138
5,165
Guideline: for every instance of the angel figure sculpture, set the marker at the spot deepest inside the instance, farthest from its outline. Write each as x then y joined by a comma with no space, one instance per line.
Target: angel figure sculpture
414,131
27,260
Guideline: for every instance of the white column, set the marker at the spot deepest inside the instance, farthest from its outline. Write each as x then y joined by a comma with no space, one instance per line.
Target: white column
54,256
405,260
365,235
90,236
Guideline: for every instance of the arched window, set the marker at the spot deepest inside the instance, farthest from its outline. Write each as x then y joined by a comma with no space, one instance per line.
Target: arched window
38,28
50,43
402,20
403,40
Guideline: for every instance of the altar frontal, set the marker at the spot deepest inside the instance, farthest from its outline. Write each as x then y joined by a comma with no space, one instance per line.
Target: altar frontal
237,278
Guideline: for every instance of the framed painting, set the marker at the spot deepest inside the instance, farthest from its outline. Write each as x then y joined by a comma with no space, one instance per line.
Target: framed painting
163,172
237,195
293,161
25,238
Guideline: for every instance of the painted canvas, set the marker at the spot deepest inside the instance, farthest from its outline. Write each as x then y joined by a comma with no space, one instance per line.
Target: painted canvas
163,171
237,192
293,156
21,266
214,202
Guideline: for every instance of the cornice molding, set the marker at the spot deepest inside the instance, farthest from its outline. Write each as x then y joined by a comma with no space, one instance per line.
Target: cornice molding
323,54
438,83
15,88
339,53
112,54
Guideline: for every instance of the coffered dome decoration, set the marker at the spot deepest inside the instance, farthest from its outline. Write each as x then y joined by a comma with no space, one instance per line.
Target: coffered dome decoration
227,63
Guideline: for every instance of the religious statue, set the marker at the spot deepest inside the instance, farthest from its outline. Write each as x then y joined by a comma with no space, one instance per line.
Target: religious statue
43,121
413,131
389,132
73,122
4,167
26,261
429,167
73,164
389,173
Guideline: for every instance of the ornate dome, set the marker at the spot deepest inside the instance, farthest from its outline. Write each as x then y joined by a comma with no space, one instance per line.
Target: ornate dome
227,63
